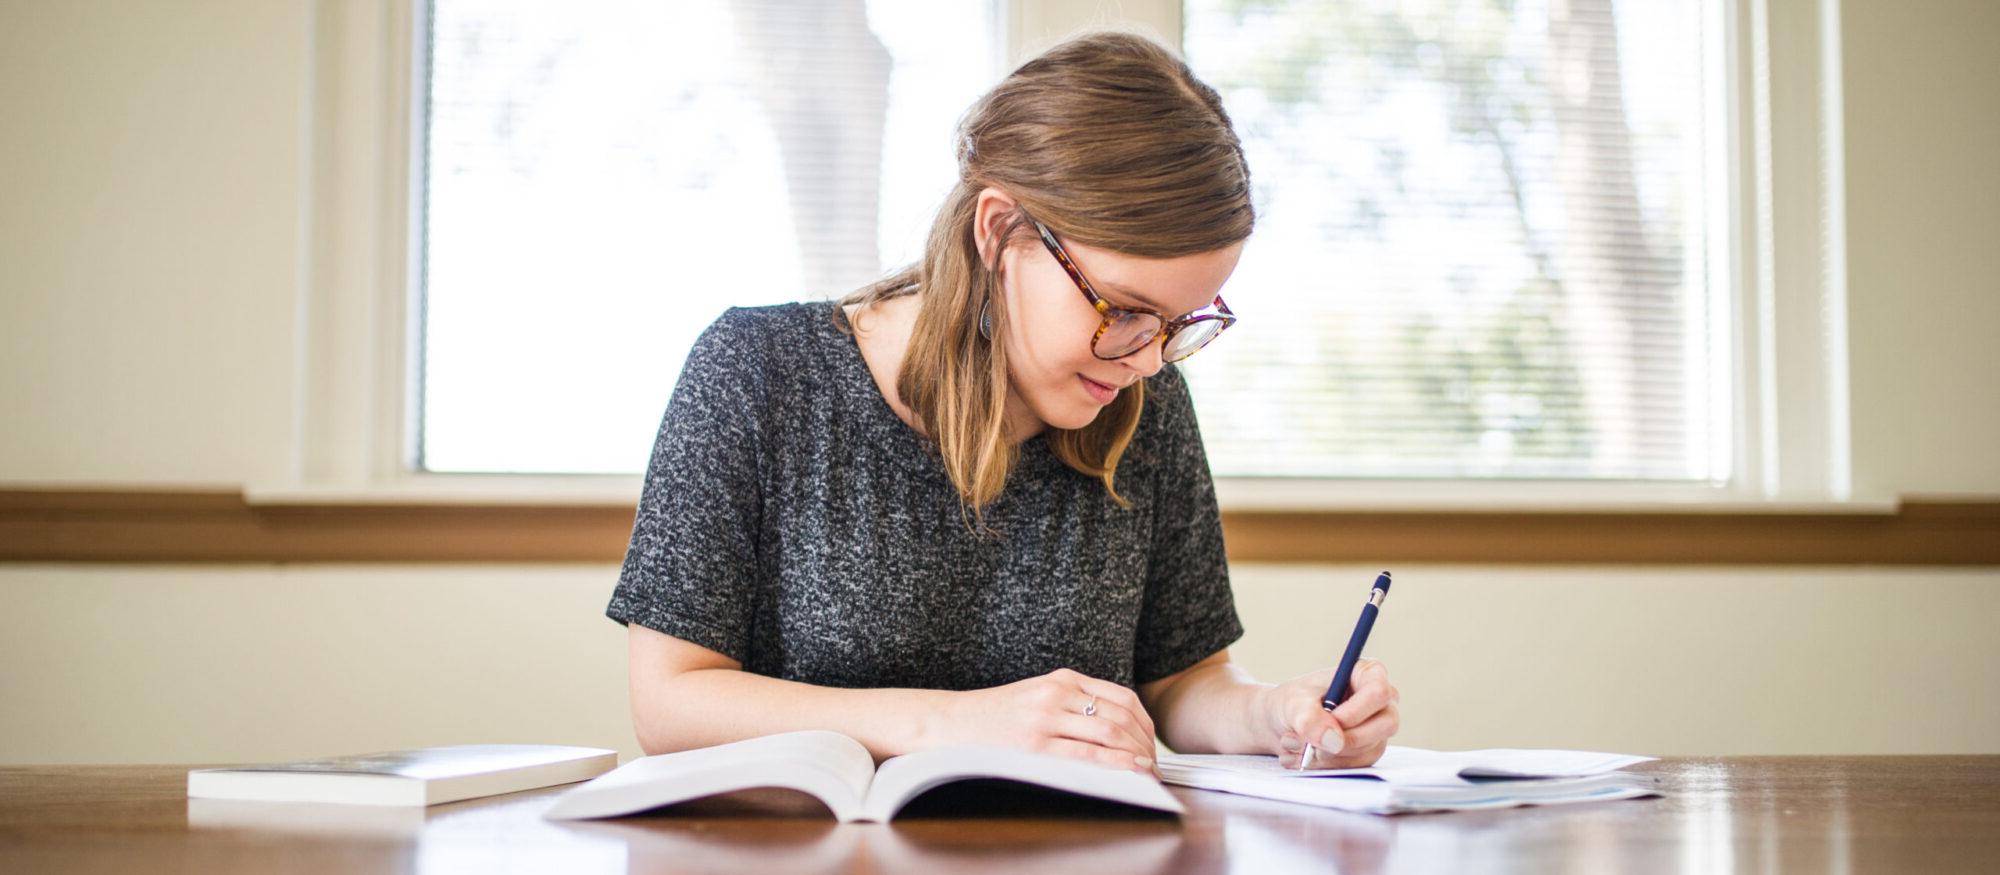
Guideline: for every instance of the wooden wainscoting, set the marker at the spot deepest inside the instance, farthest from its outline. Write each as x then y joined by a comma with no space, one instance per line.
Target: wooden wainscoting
178,526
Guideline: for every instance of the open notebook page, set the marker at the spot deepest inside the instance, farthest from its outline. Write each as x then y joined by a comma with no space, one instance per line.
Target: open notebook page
1412,765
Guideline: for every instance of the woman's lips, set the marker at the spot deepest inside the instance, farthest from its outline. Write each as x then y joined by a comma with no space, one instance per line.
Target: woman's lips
1101,393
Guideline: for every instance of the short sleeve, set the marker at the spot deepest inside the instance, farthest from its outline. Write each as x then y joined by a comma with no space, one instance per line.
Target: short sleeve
692,568
1189,612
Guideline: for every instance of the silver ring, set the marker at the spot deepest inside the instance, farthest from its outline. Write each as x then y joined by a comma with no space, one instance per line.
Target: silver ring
1090,710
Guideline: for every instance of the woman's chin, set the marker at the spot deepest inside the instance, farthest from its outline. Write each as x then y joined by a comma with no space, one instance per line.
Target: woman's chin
1075,416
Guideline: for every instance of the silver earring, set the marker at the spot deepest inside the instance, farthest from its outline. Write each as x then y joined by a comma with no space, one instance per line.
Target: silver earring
985,320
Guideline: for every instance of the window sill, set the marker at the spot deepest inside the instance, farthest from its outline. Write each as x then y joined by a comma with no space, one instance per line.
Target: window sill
1233,494
476,521
1500,497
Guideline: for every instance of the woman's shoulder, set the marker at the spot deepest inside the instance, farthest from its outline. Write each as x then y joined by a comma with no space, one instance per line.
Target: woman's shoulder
771,322
764,338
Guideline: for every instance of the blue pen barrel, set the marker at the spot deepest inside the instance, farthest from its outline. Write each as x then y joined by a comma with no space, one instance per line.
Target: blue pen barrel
1344,674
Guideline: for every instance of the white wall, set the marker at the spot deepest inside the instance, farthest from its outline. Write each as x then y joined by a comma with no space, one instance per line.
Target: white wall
1923,210
151,259
240,663
153,164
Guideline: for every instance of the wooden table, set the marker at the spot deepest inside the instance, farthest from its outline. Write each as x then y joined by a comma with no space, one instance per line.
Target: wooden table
1762,814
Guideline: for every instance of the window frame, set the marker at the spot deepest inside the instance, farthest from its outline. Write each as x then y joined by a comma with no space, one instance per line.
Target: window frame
1779,206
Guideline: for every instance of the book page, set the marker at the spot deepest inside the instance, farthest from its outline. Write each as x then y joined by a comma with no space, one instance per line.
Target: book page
901,779
1383,797
832,767
1411,765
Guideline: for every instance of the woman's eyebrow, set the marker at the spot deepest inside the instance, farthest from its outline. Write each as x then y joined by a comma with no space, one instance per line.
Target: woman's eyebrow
1129,292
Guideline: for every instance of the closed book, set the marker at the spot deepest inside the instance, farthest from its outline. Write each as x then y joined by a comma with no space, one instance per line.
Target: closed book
424,776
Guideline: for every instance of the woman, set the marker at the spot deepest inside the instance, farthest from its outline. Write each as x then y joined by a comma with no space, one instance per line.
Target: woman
934,513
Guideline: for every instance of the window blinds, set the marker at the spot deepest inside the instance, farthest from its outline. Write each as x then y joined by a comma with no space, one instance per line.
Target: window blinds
604,177
1482,249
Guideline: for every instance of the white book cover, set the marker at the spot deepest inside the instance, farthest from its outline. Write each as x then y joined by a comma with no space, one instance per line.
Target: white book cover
840,772
418,777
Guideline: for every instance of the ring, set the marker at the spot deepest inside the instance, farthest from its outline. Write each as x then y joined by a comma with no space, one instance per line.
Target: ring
1090,710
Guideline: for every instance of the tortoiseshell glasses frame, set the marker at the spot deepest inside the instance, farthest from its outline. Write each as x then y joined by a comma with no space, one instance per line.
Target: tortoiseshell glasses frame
1136,327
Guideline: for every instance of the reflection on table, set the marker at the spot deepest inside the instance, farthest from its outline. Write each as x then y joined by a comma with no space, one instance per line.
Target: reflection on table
1838,814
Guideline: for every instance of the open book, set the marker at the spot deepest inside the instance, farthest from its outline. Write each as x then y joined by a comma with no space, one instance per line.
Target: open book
1414,779
840,772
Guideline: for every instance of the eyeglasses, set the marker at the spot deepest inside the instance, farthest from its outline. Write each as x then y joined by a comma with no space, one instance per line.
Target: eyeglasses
1124,332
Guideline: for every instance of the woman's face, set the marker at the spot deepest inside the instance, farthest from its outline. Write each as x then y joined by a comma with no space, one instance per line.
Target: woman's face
1055,378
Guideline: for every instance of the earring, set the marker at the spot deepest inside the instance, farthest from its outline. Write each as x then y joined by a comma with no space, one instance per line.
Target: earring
985,320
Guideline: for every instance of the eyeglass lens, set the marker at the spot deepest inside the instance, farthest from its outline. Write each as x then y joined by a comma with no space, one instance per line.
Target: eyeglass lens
1130,331
1127,333
1191,337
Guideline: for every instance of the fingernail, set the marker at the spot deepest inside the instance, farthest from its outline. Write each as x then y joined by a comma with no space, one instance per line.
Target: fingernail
1289,743
1144,761
1331,742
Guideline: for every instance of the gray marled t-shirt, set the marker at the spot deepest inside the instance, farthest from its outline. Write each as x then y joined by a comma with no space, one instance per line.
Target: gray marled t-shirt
792,522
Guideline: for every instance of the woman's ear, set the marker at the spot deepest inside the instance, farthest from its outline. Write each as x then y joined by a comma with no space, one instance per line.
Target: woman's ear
990,215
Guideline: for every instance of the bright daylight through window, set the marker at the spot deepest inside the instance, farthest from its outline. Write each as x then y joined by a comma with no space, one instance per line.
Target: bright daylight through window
606,176
1482,249
1485,246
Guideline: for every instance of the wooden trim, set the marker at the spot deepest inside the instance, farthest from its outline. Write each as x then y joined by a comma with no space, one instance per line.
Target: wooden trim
220,526
1919,533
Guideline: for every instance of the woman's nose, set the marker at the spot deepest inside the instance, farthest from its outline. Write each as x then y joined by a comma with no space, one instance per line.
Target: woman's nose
1148,359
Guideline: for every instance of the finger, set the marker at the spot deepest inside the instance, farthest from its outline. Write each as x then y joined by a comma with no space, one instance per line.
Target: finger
1318,726
1104,689
1123,695
1096,731
1375,731
1096,753
1368,692
1365,743
1355,756
1075,699
1319,760
1355,759
1117,715
1359,757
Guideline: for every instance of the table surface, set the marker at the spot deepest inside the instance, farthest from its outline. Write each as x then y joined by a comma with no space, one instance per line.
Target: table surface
1765,814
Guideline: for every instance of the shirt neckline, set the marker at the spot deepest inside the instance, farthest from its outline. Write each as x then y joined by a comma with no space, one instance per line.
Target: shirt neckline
857,376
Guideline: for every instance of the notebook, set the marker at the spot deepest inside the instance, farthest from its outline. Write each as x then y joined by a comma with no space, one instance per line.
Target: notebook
419,777
1408,779
840,772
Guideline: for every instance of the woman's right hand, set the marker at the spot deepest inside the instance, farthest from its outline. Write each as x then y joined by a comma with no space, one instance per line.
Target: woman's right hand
1045,714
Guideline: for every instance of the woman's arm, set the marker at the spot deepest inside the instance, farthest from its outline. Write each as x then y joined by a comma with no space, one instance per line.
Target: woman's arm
1214,706
686,696
1209,707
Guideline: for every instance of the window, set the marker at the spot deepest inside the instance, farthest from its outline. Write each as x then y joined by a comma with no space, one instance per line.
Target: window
1506,244
603,178
1484,247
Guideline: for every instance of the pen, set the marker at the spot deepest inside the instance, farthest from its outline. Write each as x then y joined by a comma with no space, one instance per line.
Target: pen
1336,692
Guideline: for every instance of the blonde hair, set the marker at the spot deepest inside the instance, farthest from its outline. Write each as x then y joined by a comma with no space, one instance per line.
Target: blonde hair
1109,140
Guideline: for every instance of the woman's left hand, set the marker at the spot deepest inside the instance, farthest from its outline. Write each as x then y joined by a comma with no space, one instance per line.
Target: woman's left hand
1352,736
